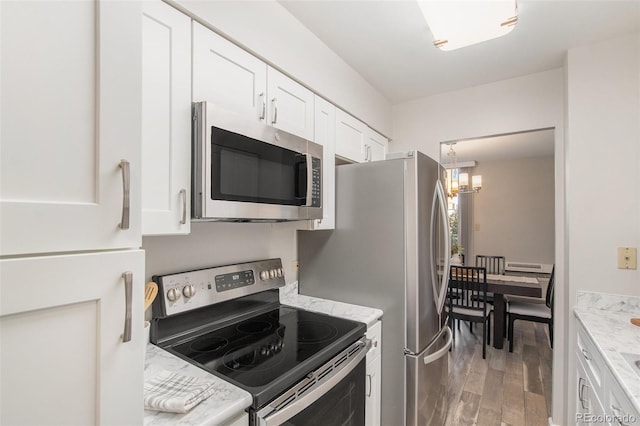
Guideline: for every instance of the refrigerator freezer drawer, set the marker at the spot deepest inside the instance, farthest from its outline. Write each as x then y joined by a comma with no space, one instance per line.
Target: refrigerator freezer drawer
427,375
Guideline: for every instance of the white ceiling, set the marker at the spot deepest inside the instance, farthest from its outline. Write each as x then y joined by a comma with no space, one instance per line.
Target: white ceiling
389,43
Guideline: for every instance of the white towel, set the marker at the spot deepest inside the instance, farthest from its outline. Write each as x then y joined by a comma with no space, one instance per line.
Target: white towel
174,393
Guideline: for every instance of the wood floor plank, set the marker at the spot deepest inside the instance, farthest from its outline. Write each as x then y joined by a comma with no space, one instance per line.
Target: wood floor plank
488,417
513,401
535,410
466,410
531,369
493,389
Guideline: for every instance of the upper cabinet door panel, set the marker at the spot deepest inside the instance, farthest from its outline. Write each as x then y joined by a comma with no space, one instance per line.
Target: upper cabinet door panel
376,145
350,137
325,135
290,105
226,75
166,119
70,113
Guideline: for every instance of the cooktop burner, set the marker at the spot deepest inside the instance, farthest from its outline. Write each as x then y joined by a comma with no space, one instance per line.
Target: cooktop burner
259,350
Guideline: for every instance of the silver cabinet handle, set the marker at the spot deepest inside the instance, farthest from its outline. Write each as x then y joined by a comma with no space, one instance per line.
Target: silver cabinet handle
274,102
183,194
128,289
370,153
264,106
126,193
370,383
586,355
366,152
582,385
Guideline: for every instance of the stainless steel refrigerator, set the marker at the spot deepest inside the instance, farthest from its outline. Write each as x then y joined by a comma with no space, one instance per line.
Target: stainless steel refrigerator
390,241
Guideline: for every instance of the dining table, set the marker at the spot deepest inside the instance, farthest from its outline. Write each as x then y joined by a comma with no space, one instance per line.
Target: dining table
501,285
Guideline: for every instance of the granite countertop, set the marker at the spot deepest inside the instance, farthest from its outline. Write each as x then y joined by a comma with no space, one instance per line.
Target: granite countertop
606,319
225,405
289,296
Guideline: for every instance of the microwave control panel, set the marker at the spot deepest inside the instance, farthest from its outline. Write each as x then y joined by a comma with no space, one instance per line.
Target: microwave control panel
316,184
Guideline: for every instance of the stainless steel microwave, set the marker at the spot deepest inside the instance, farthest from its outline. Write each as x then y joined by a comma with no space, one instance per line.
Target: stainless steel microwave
244,170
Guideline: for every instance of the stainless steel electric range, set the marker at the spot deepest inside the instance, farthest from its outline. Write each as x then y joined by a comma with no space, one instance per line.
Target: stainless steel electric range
301,367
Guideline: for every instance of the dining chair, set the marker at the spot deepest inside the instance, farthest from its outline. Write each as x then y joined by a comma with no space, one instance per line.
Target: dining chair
532,311
465,282
493,264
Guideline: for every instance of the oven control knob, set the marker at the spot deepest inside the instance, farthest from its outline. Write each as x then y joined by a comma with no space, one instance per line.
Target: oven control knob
279,272
272,273
173,294
189,291
264,275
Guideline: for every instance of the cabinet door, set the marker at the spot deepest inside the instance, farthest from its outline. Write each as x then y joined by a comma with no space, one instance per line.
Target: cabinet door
62,327
290,105
228,76
70,113
375,146
325,135
166,119
374,374
350,137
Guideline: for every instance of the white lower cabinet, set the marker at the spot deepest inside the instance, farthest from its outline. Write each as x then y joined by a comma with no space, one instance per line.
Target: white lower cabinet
374,372
62,320
599,397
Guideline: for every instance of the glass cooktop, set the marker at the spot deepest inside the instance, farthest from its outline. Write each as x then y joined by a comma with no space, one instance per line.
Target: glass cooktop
282,345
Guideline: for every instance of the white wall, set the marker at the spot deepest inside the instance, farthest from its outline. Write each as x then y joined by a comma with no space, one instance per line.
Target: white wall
220,243
513,215
603,169
525,103
269,31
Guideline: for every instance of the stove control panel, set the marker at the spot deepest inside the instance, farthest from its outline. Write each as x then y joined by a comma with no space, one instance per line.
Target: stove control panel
184,291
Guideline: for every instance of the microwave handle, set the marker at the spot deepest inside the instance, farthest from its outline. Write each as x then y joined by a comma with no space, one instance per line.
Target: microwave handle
309,202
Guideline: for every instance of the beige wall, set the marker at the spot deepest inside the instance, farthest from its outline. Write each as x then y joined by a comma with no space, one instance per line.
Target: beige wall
513,215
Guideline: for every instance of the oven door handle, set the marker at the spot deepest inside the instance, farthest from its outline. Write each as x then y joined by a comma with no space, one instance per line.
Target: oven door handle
280,416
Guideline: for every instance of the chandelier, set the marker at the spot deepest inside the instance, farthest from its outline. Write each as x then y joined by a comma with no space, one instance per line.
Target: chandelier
459,184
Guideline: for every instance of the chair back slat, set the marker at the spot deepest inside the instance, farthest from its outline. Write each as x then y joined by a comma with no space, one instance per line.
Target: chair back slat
493,264
468,287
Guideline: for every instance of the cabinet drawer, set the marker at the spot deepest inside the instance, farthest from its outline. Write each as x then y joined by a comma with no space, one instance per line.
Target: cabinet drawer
592,360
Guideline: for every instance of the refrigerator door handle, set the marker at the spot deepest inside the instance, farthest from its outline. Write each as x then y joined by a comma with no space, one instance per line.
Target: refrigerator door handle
439,206
443,350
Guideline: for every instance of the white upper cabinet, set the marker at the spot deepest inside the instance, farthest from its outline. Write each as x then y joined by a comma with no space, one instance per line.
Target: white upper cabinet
375,146
325,135
70,126
228,76
350,137
290,105
166,120
232,78
69,335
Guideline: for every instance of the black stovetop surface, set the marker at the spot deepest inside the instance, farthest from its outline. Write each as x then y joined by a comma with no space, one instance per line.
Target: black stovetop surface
270,351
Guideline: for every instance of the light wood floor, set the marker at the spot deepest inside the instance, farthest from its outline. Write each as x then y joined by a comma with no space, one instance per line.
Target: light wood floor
505,389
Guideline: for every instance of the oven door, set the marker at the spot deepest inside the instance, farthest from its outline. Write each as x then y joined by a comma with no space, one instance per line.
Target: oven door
254,171
334,394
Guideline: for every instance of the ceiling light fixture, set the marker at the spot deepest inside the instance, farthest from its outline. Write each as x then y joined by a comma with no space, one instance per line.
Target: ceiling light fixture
456,24
459,184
